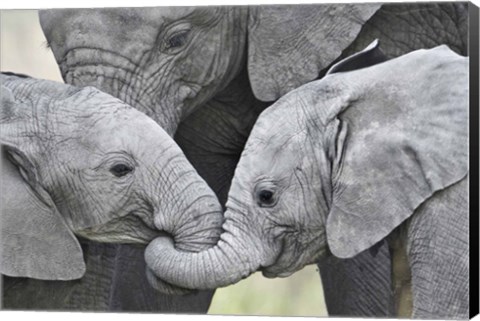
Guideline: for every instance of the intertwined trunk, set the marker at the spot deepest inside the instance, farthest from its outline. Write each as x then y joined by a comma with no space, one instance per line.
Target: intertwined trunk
238,253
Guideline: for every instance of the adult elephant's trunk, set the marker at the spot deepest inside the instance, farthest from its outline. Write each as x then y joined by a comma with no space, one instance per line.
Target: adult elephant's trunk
239,253
127,86
119,76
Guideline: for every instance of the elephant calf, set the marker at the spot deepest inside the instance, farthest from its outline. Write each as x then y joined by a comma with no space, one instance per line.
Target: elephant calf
78,161
370,152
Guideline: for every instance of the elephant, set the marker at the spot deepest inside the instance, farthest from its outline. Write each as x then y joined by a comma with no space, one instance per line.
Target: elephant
372,152
77,162
206,73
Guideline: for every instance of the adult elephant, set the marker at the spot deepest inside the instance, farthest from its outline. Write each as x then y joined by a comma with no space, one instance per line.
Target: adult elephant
205,73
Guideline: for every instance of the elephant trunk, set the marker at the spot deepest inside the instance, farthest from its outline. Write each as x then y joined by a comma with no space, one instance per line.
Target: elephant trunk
173,199
118,76
186,207
197,227
234,257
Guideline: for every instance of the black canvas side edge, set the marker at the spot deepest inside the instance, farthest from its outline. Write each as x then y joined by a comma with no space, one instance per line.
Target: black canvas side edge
474,162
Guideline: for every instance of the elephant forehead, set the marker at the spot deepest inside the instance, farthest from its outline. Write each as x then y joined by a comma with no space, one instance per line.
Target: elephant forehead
110,25
109,29
126,128
105,122
91,104
152,16
156,13
273,155
282,124
292,109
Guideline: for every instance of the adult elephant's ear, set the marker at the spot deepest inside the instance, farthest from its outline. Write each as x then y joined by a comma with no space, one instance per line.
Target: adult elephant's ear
403,137
34,239
289,45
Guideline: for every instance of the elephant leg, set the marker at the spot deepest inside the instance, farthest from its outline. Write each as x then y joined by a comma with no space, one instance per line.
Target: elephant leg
213,137
32,294
438,251
401,275
360,286
130,290
115,281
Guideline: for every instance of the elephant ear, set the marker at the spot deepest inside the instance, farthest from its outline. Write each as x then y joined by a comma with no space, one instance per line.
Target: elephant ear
35,242
403,137
289,45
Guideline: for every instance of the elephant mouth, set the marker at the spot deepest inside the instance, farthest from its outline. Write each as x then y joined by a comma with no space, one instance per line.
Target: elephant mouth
282,269
280,266
279,269
130,228
287,262
275,274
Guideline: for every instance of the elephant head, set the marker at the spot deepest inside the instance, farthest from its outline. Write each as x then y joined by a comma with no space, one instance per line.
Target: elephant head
167,61
336,165
78,161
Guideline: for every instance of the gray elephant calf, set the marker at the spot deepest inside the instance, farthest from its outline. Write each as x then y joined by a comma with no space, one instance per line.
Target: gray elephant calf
78,161
367,153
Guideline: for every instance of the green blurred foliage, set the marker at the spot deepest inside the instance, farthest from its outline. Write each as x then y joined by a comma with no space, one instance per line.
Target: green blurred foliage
301,294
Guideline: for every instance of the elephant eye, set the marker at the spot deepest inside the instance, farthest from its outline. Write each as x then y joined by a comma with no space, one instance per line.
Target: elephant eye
266,198
178,39
120,170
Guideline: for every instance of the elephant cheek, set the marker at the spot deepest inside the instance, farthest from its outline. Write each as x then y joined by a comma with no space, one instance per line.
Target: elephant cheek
118,233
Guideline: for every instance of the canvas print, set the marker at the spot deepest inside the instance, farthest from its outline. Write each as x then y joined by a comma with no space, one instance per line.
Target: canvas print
175,159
